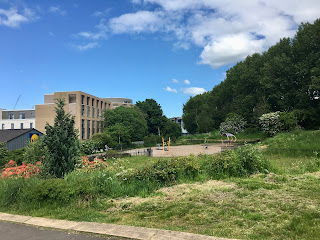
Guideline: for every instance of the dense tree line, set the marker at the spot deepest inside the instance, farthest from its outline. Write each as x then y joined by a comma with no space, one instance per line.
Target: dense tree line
285,78
125,125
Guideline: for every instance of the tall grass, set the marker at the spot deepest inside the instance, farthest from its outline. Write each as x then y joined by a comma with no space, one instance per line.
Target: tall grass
294,144
118,181
296,152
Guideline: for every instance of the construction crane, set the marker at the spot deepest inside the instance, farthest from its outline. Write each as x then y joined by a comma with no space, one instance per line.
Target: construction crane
17,102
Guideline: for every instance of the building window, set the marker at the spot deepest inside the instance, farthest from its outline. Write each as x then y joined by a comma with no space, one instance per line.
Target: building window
82,111
21,125
12,126
31,125
93,127
32,114
98,112
88,108
72,98
83,129
93,112
82,99
97,103
22,115
11,115
88,129
92,102
88,101
2,126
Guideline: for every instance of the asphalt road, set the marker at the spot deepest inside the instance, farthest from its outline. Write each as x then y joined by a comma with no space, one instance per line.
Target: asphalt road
14,231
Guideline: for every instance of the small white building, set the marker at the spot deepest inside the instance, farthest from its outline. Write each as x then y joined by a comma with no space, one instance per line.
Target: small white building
17,119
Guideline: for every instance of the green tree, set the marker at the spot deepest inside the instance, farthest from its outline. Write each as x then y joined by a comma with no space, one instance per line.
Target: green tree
153,114
171,129
61,141
120,134
131,120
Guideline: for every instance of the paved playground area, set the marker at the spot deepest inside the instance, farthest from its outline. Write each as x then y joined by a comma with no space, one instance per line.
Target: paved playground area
184,150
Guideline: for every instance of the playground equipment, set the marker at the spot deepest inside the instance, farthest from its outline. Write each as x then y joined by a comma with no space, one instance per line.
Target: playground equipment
230,139
164,144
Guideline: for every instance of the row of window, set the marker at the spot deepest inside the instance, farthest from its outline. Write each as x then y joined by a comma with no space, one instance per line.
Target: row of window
22,115
83,112
92,128
12,126
93,102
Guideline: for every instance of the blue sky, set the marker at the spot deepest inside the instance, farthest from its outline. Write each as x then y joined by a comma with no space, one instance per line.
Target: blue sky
167,50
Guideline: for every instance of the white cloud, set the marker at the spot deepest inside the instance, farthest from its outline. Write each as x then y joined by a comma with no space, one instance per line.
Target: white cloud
186,82
13,18
101,13
169,89
142,21
175,80
227,30
193,91
230,49
57,10
87,46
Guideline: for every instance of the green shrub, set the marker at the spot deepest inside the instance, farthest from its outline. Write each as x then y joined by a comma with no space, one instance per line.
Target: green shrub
289,121
90,147
16,155
165,170
104,139
241,162
3,155
55,189
34,152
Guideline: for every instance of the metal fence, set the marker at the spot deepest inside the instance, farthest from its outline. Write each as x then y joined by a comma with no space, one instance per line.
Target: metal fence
140,152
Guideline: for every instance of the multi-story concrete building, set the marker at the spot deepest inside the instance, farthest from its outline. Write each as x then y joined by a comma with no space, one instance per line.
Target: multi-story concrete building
87,109
17,119
117,102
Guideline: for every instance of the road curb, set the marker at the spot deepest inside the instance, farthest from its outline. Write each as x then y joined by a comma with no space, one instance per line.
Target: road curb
129,232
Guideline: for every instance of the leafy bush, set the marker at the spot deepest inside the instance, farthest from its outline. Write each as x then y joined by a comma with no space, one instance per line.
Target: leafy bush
165,170
233,124
90,147
34,152
273,123
289,121
104,139
54,189
241,162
